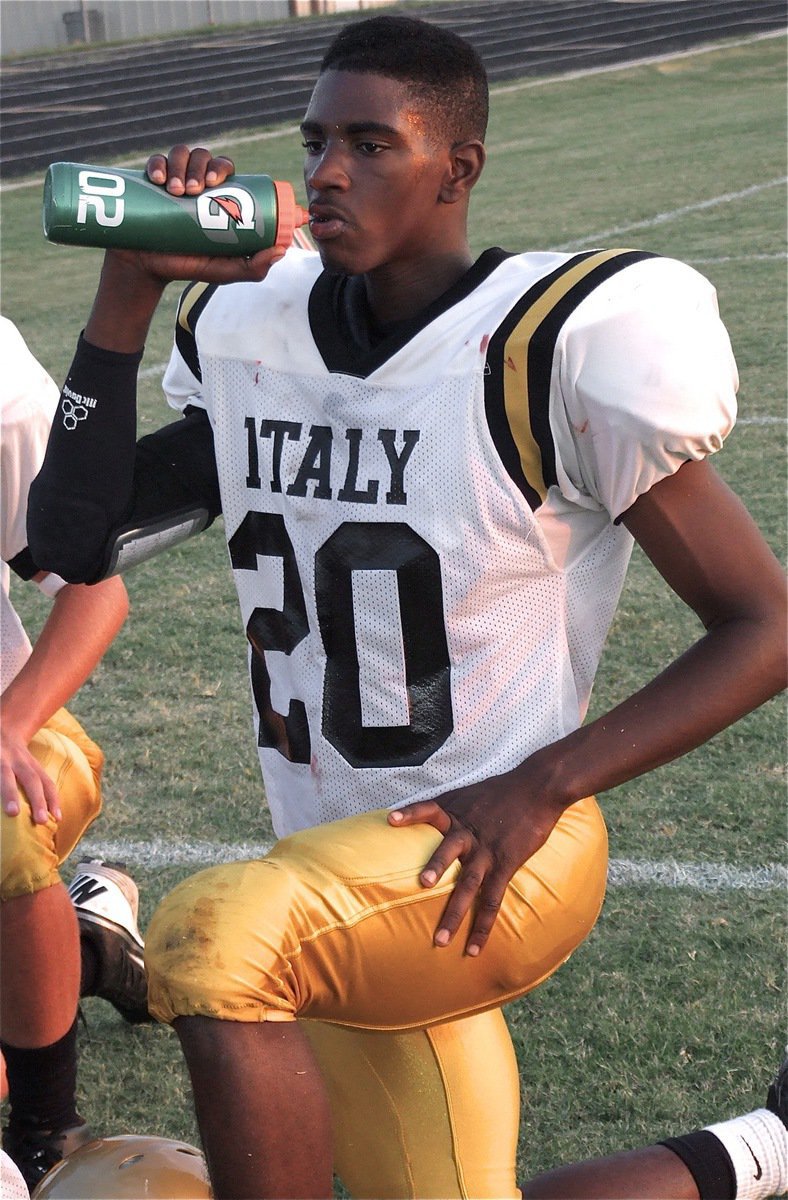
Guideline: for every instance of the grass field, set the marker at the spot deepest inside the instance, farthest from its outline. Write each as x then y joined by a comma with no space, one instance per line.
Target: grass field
673,1013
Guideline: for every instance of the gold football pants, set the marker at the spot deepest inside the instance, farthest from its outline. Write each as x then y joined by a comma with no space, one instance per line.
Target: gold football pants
333,927
30,854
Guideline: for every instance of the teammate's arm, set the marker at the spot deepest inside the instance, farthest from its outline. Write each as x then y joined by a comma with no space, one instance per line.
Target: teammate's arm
150,495
79,628
707,548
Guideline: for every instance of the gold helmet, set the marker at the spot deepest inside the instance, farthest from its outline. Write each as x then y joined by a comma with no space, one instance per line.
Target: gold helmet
126,1168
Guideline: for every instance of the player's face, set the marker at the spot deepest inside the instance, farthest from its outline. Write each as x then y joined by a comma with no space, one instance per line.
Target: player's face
372,174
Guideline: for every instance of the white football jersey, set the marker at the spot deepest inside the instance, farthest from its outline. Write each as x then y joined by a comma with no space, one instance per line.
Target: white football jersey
12,1183
423,530
28,399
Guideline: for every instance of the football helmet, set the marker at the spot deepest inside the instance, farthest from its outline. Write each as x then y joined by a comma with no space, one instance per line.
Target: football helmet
127,1167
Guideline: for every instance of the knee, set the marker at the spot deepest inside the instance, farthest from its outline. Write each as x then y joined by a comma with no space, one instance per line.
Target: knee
31,854
213,949
28,855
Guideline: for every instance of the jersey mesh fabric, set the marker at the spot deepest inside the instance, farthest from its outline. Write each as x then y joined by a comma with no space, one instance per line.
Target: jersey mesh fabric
503,609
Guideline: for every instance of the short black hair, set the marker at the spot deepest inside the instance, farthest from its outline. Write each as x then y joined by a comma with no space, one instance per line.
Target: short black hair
442,70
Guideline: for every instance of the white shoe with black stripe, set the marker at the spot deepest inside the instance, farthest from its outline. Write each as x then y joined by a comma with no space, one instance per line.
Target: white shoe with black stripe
106,900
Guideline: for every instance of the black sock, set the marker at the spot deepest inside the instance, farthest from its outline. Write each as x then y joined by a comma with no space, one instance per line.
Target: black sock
708,1162
42,1083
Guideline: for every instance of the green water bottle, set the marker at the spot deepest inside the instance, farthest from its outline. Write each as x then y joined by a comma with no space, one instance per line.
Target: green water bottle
113,207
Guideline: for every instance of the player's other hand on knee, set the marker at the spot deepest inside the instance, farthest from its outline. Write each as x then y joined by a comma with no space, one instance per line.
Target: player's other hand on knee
491,828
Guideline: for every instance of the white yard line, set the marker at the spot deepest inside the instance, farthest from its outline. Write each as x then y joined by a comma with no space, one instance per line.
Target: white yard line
778,256
161,852
698,876
623,872
592,239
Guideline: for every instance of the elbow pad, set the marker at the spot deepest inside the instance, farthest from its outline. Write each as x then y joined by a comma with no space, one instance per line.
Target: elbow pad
124,547
145,539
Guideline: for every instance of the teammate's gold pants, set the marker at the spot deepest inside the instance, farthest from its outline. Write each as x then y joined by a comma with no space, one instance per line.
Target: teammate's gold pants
30,854
334,928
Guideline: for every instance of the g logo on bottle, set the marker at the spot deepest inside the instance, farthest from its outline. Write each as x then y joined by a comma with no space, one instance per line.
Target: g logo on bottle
226,208
94,186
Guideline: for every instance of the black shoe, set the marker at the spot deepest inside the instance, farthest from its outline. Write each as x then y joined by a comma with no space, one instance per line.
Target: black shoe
36,1151
106,901
777,1098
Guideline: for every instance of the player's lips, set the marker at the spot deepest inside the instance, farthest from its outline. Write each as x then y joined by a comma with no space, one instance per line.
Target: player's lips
326,222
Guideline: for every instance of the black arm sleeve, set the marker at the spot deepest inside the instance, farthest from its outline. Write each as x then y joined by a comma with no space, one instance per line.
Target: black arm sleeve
98,485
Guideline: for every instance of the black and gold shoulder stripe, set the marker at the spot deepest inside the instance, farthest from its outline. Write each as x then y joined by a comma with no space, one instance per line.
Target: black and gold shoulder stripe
520,361
193,301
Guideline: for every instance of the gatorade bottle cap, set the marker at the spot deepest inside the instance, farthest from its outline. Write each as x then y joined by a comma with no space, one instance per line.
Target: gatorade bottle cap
289,214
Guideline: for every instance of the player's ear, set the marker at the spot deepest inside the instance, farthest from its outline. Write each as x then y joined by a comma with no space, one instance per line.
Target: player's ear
466,161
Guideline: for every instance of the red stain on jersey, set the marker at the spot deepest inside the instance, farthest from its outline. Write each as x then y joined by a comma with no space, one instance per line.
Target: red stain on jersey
484,343
229,205
511,363
580,428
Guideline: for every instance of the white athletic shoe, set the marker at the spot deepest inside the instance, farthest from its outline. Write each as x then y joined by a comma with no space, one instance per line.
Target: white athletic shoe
107,901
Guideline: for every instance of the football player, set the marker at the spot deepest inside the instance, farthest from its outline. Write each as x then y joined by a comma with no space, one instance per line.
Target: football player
431,471
50,771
